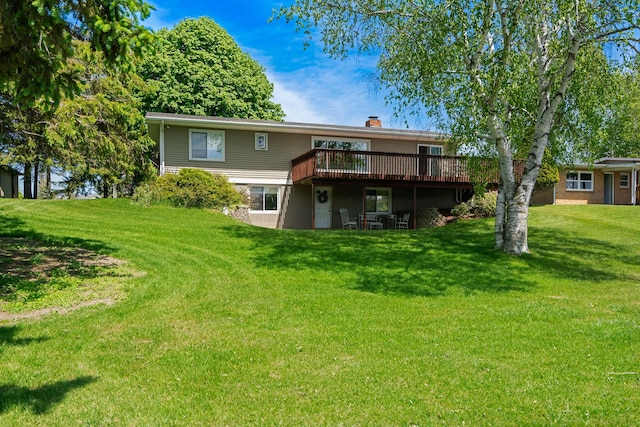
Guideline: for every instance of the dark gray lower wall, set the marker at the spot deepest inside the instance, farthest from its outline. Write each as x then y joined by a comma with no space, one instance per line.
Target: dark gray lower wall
297,203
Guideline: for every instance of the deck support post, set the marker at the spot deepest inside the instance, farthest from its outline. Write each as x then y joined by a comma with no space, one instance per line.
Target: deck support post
364,207
415,208
313,206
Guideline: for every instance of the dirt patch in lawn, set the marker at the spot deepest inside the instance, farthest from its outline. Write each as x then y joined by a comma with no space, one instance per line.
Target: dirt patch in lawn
38,279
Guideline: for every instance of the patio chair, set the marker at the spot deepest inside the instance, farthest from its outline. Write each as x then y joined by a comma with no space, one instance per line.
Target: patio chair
346,221
373,222
403,223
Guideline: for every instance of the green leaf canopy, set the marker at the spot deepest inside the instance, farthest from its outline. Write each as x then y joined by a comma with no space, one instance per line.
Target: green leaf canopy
199,69
36,39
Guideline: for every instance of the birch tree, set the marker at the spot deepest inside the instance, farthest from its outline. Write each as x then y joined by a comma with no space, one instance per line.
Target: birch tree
493,73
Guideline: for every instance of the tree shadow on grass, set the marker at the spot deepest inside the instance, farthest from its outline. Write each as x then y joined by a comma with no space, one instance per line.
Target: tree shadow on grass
32,263
11,226
429,262
8,337
40,399
570,256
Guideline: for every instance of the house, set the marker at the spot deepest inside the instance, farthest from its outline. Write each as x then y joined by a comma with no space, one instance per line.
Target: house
610,180
300,175
8,182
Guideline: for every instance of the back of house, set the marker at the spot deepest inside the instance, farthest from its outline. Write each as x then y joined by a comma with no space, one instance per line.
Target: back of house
300,175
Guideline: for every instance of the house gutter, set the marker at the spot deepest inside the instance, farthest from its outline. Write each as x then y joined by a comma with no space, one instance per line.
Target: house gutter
292,127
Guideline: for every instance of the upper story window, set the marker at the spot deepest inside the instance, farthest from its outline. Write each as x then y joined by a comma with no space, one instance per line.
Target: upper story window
624,180
206,145
262,141
340,143
579,181
342,160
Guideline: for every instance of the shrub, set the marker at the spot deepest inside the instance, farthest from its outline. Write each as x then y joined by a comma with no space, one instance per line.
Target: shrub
462,210
480,206
190,188
485,205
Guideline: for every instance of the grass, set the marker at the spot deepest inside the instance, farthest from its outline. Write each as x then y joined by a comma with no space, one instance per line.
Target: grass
236,325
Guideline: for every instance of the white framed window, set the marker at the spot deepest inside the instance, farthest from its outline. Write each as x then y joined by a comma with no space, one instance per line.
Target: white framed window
264,198
347,144
579,181
206,144
345,162
432,150
624,180
378,200
262,141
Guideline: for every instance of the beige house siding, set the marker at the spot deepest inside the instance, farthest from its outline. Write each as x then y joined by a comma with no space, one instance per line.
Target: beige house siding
242,159
246,167
403,147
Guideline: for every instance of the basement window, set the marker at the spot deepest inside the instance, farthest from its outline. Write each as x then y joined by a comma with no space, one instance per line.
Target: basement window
264,199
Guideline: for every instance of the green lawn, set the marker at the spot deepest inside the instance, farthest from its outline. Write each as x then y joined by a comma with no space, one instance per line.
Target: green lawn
242,326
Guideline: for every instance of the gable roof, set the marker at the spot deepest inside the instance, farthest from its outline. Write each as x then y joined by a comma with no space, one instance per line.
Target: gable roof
292,127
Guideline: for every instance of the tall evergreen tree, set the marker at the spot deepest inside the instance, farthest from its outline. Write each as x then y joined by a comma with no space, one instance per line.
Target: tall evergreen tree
36,39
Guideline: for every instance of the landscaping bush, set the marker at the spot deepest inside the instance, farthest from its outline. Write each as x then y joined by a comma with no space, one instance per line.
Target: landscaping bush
480,206
190,188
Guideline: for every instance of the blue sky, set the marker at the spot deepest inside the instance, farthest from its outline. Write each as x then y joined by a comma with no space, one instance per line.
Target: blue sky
310,86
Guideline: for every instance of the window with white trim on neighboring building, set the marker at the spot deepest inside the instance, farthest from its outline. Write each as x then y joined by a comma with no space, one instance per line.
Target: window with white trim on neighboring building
579,181
624,180
206,145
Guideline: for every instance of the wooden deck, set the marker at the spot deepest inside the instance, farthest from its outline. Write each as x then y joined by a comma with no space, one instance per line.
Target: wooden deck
340,165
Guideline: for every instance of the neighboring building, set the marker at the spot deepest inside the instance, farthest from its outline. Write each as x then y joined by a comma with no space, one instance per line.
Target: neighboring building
8,182
300,175
607,181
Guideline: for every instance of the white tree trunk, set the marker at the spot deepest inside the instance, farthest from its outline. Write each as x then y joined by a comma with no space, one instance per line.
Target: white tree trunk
516,237
500,218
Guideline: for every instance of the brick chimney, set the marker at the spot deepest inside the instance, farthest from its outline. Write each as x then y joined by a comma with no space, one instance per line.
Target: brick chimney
373,122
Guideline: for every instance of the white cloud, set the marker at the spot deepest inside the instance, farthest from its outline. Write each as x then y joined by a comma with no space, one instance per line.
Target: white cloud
330,92
295,103
158,19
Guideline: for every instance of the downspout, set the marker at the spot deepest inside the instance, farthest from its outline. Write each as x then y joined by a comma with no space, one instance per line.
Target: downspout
161,149
634,184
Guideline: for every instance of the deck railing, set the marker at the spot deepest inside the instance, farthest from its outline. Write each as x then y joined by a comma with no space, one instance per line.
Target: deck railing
377,166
